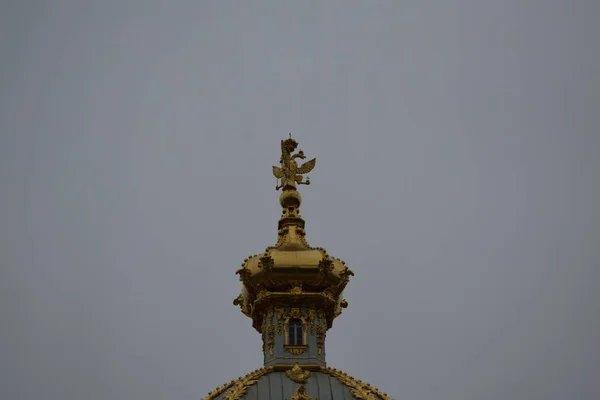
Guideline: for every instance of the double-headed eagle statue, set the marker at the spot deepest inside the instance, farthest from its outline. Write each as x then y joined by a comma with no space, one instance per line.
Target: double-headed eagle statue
289,172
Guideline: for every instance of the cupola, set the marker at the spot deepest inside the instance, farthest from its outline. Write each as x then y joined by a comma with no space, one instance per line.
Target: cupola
292,292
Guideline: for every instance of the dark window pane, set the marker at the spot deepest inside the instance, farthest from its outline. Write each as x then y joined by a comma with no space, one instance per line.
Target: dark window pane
291,334
295,332
298,334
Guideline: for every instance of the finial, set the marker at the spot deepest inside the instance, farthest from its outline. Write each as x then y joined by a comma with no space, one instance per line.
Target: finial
289,172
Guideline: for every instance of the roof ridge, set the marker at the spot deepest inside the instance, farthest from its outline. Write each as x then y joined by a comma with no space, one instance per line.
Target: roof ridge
238,387
359,389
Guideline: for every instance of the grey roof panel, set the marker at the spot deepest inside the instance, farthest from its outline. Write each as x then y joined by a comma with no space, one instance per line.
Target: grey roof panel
264,391
277,386
253,393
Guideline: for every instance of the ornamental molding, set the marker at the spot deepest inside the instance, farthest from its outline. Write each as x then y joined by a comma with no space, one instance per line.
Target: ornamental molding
235,389
266,263
359,389
270,332
297,374
295,350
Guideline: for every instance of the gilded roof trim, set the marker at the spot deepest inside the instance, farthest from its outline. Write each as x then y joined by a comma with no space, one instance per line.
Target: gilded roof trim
360,390
238,388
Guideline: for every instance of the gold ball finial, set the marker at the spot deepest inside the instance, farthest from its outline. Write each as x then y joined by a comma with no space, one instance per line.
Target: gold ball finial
290,198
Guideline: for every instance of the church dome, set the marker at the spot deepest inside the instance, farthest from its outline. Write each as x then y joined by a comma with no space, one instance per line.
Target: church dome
293,292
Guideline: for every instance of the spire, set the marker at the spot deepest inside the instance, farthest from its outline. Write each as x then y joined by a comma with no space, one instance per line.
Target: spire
290,174
292,291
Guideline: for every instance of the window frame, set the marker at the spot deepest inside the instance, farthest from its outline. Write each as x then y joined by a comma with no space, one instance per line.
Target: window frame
295,332
301,342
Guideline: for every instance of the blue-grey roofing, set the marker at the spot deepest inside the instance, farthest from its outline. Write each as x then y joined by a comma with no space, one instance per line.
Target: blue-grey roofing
319,386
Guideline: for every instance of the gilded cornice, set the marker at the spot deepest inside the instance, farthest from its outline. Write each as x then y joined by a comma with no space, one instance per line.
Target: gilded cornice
259,298
280,277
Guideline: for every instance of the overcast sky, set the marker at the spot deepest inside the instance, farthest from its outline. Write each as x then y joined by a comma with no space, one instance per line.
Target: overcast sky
457,175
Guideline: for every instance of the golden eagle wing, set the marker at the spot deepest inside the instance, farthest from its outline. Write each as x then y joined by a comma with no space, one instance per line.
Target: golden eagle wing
306,167
277,172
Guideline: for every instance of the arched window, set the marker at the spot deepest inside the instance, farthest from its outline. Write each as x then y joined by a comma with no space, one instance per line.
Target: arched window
295,334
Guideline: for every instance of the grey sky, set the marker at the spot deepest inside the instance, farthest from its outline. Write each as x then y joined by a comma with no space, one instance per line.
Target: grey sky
457,175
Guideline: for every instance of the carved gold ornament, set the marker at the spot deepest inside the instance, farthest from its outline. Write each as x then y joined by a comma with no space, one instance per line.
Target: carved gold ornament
346,273
262,294
271,338
359,389
312,315
239,301
325,270
295,350
320,339
297,374
269,331
238,389
296,289
234,390
279,311
266,263
300,395
321,331
296,313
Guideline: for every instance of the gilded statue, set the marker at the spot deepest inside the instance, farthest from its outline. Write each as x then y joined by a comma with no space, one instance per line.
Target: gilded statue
289,172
